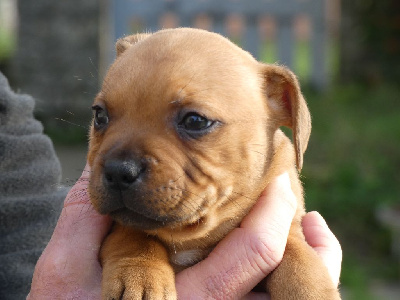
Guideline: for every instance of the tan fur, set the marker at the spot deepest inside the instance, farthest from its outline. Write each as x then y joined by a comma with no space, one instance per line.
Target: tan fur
193,191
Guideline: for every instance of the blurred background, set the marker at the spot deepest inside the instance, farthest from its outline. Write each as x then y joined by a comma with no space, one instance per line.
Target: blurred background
347,57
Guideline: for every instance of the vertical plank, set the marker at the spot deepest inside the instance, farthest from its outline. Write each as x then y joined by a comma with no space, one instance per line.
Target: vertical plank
251,36
285,41
119,18
218,23
319,76
284,12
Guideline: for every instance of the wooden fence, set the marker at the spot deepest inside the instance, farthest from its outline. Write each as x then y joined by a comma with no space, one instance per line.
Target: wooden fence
253,17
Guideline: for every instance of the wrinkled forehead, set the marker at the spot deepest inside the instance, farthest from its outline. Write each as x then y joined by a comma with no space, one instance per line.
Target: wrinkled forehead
167,66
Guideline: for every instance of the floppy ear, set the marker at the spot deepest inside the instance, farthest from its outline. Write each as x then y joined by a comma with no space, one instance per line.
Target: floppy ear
126,42
288,106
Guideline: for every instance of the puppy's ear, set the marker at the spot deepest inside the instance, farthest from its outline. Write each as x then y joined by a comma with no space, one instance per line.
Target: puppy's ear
288,106
126,42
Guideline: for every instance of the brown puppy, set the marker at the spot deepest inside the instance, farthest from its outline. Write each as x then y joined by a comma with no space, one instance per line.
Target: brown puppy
185,137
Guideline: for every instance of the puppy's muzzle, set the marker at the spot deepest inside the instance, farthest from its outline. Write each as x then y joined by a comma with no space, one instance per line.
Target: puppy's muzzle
121,175
128,198
122,180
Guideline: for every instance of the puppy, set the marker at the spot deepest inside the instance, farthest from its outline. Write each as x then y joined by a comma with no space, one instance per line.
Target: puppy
185,137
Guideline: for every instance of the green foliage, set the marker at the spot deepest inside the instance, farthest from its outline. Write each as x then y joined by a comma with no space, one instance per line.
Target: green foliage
7,44
351,169
356,277
301,55
370,44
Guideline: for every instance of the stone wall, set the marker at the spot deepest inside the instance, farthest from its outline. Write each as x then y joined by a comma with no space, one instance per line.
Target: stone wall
57,56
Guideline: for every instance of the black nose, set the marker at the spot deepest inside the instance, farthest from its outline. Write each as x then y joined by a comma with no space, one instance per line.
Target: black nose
121,174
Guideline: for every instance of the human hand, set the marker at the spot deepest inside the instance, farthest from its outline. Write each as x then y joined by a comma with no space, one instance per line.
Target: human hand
323,241
249,253
69,266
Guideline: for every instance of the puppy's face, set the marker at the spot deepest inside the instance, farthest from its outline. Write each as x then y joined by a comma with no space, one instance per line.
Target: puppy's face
182,130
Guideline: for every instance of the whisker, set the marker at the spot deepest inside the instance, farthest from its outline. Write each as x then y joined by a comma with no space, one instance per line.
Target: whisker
249,198
177,178
187,191
181,90
94,66
90,94
72,123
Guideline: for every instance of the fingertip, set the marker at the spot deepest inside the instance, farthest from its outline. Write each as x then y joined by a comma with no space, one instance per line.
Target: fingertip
316,230
313,218
279,188
283,178
276,202
78,194
78,210
279,183
324,242
86,171
282,187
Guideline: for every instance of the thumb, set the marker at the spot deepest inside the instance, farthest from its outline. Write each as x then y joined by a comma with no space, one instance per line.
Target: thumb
248,253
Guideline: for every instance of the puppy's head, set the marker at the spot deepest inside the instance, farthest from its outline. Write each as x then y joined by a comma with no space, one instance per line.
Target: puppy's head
183,128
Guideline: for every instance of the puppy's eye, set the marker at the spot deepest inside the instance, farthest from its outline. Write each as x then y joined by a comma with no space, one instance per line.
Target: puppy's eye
100,117
193,125
195,122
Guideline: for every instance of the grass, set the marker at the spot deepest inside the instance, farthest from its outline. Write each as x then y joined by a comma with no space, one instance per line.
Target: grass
351,169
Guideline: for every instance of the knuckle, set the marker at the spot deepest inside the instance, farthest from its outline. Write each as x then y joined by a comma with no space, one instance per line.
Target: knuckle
265,251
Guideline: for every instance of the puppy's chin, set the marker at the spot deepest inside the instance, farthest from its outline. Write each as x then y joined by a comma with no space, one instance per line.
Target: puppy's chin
133,219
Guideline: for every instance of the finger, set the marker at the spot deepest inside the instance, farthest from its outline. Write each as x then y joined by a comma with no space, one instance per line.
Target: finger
80,230
248,253
320,237
276,205
69,264
78,220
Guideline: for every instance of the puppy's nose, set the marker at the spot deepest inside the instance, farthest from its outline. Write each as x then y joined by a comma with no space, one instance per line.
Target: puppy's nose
121,174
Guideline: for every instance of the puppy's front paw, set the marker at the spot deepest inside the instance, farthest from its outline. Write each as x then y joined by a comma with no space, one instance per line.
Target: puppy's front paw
138,282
